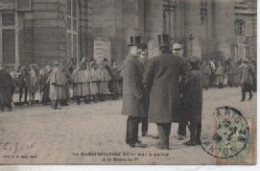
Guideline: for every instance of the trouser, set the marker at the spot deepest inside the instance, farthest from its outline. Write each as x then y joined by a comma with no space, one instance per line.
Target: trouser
144,126
22,88
182,128
55,104
78,99
45,95
164,130
195,131
132,129
246,87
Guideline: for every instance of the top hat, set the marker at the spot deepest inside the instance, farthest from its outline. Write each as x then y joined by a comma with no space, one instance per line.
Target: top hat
164,40
135,41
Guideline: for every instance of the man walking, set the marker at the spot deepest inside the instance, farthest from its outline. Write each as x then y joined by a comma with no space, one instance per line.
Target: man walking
161,79
246,80
133,93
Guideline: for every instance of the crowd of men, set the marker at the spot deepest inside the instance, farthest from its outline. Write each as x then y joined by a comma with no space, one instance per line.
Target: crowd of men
60,83
168,88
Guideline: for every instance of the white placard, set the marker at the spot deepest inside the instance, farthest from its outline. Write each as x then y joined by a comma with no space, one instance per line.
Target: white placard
102,49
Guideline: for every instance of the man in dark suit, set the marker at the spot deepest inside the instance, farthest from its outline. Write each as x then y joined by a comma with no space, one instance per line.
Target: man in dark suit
133,93
6,88
161,79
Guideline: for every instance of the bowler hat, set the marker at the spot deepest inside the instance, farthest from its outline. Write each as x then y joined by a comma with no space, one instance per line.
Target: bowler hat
164,40
135,41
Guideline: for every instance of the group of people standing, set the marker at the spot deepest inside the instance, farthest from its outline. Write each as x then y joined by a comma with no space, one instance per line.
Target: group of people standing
162,90
226,73
60,83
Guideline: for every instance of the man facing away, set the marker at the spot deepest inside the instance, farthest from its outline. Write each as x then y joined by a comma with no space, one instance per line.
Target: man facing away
133,93
161,79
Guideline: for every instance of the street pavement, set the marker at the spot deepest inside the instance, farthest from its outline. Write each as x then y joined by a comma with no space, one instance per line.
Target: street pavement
95,134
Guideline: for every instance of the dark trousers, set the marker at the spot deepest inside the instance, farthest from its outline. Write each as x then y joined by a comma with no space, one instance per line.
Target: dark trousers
144,126
246,87
164,130
195,131
182,128
132,129
23,88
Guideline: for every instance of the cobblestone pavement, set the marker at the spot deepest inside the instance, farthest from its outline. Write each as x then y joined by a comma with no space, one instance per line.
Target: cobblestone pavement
95,133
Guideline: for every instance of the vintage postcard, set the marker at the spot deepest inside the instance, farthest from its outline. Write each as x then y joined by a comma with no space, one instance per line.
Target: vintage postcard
137,82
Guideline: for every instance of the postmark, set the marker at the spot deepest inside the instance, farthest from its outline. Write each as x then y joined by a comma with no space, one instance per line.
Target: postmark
230,133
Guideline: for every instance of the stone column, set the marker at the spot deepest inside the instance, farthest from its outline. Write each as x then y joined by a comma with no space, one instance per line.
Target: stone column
154,24
224,27
193,26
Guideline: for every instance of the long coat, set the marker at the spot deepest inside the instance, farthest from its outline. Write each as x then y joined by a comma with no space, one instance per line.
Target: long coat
191,101
133,90
78,80
57,85
6,88
161,79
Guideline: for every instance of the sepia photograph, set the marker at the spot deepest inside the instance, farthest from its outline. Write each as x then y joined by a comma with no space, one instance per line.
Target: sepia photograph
128,82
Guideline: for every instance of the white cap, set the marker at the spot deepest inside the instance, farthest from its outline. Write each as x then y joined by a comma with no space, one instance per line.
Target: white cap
176,46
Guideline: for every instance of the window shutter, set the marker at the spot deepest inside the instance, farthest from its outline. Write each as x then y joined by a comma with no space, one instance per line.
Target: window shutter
23,5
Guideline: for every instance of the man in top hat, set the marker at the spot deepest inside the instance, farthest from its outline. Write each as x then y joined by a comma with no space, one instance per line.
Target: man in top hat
133,93
144,61
161,79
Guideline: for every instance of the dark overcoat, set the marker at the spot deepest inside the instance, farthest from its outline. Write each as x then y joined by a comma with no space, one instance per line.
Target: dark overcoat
191,101
133,90
161,79
6,88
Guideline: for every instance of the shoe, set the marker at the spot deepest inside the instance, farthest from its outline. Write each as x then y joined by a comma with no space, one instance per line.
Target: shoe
198,142
138,145
191,143
155,137
181,137
147,135
162,147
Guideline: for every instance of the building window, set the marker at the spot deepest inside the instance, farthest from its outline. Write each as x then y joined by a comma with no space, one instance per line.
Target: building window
169,17
239,1
7,1
72,29
8,37
8,19
239,27
203,11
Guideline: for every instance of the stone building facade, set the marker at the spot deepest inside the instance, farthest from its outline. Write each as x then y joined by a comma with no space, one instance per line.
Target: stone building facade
42,31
